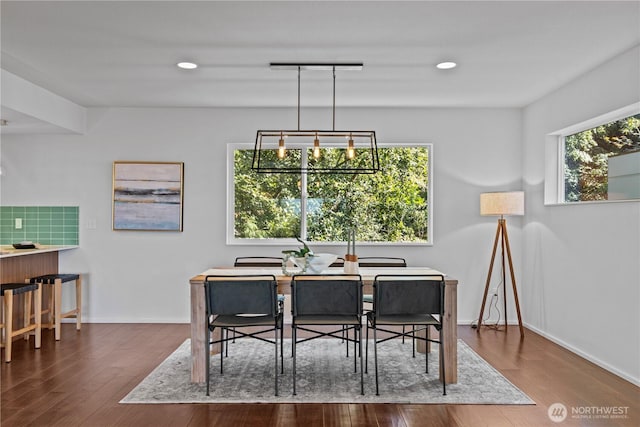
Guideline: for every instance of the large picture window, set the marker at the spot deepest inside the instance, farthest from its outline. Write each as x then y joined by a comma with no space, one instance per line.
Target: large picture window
392,206
603,162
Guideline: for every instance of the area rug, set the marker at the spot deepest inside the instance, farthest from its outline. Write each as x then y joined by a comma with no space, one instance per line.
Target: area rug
326,375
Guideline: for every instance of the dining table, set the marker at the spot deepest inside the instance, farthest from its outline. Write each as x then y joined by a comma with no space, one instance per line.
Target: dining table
197,297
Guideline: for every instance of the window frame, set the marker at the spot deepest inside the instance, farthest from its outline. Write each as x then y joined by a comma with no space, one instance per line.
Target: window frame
230,224
555,191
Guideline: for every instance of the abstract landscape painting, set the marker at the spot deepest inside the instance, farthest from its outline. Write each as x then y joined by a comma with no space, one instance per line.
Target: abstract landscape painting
147,195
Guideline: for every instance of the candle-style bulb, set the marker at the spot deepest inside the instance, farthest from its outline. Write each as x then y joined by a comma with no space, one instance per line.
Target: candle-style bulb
351,151
281,148
316,148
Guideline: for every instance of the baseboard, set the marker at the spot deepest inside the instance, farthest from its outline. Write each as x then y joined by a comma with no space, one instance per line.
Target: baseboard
584,355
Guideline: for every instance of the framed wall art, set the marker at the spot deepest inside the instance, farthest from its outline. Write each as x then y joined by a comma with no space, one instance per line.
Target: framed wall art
147,195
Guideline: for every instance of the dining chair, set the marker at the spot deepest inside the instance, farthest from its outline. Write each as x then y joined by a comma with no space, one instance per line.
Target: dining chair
376,261
379,262
407,300
242,302
258,261
319,301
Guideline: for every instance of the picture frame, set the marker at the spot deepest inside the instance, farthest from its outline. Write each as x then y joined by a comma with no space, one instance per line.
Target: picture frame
147,196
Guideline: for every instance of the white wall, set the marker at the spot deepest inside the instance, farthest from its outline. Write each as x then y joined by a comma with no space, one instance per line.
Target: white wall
581,275
143,276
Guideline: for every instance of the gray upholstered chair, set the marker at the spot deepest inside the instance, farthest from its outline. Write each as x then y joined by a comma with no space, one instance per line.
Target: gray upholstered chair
407,300
320,301
240,302
258,261
379,262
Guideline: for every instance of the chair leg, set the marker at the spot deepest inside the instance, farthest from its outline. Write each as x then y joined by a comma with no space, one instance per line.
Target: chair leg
222,342
79,303
51,316
27,313
57,309
403,334
8,324
426,351
225,336
413,340
375,357
37,308
355,337
276,356
293,352
366,348
282,344
345,330
361,368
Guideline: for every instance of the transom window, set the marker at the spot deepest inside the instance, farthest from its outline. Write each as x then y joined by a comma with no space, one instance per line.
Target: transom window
392,206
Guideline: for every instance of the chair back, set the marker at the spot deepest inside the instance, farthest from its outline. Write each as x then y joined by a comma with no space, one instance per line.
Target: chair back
381,262
339,262
230,295
326,295
408,295
258,261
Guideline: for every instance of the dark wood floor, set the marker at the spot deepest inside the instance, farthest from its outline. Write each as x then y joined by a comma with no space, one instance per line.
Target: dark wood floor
79,381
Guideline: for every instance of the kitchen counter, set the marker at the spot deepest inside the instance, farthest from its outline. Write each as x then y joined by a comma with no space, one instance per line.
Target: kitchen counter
7,251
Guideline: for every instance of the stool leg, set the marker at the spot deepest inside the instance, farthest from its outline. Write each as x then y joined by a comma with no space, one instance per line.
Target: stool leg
57,309
27,313
37,311
51,321
8,324
79,302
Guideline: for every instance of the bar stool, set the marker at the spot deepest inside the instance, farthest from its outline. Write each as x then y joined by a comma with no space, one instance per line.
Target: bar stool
9,290
54,305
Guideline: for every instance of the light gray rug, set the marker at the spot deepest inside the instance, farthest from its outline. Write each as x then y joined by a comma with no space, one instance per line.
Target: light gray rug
325,375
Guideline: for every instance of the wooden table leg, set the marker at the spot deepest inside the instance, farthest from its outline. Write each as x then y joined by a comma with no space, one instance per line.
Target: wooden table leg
450,333
197,333
198,344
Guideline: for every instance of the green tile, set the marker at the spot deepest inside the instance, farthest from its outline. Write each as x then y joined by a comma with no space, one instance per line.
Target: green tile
57,209
44,210
71,212
19,211
44,222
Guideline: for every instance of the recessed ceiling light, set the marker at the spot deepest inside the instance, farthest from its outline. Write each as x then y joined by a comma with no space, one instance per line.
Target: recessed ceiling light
446,65
187,65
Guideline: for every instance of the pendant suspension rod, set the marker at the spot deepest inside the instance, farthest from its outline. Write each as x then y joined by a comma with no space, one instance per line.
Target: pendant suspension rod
334,98
298,97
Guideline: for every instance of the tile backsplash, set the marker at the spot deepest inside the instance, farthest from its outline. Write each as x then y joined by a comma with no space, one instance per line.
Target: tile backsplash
47,225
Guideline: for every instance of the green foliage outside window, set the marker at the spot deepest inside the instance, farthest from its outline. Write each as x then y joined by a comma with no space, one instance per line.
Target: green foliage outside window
389,206
586,153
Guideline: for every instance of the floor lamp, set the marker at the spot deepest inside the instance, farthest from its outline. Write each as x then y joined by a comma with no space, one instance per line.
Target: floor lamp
501,204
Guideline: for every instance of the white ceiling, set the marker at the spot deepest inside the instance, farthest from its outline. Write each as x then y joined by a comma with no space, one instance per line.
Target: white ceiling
122,53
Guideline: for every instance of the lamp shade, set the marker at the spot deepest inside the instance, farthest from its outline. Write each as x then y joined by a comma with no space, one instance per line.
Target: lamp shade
502,203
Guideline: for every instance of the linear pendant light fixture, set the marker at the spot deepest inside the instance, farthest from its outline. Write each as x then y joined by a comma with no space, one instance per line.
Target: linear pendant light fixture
322,151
